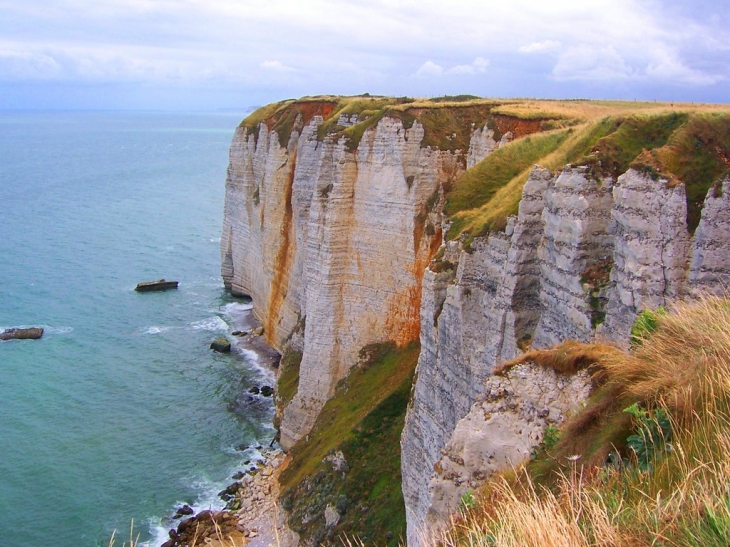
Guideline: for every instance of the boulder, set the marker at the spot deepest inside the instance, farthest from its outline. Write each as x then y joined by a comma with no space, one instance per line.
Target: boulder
258,332
267,391
32,333
221,345
183,511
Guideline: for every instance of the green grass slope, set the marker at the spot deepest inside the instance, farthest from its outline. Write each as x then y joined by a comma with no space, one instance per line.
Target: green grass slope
364,421
683,146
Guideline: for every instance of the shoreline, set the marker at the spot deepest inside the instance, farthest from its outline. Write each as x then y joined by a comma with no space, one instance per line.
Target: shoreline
251,515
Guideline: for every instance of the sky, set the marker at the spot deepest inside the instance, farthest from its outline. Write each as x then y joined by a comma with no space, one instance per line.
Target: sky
237,54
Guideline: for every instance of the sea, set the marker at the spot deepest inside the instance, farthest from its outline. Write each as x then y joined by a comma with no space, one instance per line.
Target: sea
120,413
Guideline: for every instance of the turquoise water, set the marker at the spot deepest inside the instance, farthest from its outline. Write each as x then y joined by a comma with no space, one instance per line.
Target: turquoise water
120,412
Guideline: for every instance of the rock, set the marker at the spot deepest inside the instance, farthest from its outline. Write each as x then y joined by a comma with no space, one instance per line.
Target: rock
331,516
238,475
338,461
32,333
159,285
221,345
183,511
255,390
501,429
267,391
258,332
239,333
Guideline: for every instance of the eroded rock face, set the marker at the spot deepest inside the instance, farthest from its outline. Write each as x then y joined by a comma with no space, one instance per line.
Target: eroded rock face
313,231
575,221
710,267
481,145
652,250
492,303
580,261
500,431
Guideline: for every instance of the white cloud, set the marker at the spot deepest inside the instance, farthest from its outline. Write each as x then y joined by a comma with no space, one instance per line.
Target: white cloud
668,68
429,69
540,47
363,46
479,65
277,66
591,63
25,65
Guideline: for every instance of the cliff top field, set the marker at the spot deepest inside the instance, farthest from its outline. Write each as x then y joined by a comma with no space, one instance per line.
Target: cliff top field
682,142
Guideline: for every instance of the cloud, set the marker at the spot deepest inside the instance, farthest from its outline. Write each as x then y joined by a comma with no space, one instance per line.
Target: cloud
479,65
429,69
654,64
668,68
25,65
591,63
277,66
528,47
540,47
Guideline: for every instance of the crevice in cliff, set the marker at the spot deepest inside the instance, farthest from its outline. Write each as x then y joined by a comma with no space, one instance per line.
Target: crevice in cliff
282,262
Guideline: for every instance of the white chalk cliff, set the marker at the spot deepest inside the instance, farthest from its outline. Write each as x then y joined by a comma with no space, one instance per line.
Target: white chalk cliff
629,237
334,246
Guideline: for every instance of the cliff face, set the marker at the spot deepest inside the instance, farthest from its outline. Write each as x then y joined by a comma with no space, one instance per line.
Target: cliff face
334,241
334,225
582,258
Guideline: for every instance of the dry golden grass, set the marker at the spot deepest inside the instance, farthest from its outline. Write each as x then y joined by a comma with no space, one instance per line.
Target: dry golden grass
682,499
567,358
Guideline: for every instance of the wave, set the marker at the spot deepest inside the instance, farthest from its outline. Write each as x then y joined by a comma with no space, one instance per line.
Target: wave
155,329
207,497
213,324
236,310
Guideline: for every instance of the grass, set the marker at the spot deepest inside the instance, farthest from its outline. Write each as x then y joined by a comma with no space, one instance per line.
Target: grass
287,382
687,147
682,371
480,184
613,154
697,155
364,421
448,121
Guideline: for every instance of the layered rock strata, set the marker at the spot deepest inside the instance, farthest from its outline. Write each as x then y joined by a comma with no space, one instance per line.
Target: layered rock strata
334,239
582,258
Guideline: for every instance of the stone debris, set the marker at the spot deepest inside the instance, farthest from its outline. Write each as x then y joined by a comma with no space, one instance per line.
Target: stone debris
501,430
251,517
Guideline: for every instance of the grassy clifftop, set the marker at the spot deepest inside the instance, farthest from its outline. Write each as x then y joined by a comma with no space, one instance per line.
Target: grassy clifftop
448,121
646,462
685,144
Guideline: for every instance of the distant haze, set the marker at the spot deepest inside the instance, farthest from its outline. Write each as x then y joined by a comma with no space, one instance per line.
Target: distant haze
233,54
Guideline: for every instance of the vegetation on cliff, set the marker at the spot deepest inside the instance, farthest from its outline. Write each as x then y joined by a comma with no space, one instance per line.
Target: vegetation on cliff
348,467
448,122
687,145
646,462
